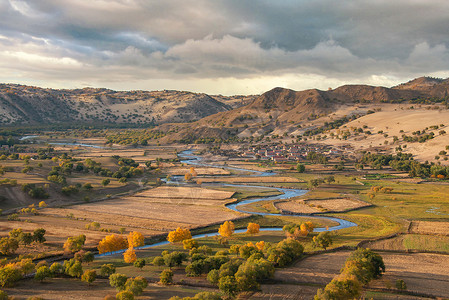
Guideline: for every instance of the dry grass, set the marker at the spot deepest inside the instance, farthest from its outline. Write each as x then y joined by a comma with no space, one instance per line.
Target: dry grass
298,207
338,204
174,192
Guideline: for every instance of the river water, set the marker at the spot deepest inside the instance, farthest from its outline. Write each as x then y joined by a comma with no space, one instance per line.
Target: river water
189,158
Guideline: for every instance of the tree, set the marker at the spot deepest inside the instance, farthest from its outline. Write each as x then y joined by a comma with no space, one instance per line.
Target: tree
8,245
130,255
38,235
135,239
124,295
300,168
179,235
89,276
25,238
188,176
9,275
253,228
42,273
118,281
56,269
174,258
107,270
112,243
158,261
166,277
74,243
76,270
189,244
228,285
105,182
42,204
322,240
226,229
136,285
140,263
401,285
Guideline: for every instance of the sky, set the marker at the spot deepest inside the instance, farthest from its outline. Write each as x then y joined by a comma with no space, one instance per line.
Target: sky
224,47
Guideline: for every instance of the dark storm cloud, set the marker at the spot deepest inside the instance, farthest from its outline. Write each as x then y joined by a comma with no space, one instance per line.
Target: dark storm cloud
223,39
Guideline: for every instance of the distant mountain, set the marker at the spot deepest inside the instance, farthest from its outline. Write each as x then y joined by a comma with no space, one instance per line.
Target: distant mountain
281,111
23,105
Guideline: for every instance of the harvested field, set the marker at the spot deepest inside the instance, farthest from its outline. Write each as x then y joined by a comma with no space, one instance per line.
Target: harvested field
174,192
338,204
422,272
316,269
320,205
57,288
285,291
199,171
253,179
194,215
428,227
298,207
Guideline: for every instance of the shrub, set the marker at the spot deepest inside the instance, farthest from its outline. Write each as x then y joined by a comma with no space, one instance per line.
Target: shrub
166,277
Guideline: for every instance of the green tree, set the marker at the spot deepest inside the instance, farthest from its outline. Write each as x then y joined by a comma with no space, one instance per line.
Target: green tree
322,240
39,235
166,277
139,263
124,295
9,275
105,182
228,285
136,285
401,285
74,243
42,273
118,281
107,270
89,276
8,245
56,269
300,168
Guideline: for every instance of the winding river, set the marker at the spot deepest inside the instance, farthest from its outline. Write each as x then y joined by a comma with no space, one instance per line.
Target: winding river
189,158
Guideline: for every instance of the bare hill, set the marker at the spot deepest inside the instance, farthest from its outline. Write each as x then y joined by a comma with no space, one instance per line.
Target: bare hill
35,106
284,112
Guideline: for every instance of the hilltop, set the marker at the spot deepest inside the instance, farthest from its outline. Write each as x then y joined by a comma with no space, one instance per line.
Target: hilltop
29,105
290,113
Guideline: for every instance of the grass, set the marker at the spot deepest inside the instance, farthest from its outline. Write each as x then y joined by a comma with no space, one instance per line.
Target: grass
426,242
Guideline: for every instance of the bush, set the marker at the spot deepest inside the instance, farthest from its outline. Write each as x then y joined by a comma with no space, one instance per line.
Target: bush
118,281
400,285
158,261
124,295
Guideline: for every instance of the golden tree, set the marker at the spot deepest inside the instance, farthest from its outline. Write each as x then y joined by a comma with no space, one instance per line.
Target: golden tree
188,176
130,255
135,239
260,245
193,172
226,229
253,228
179,235
112,243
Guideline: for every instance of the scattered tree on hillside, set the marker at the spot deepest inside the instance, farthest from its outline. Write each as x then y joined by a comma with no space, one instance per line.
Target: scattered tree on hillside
74,243
179,235
112,243
135,239
322,240
130,255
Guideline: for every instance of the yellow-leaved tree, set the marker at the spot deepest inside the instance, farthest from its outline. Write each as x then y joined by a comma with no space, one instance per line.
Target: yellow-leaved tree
179,235
226,229
188,176
112,243
253,228
193,172
130,255
135,239
260,245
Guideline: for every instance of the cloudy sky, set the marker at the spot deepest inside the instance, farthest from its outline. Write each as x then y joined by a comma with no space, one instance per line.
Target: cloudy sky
221,46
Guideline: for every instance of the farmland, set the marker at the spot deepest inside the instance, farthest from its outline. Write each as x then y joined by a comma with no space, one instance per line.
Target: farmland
408,217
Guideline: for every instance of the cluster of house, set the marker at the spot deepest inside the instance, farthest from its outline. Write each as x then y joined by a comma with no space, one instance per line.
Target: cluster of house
284,153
